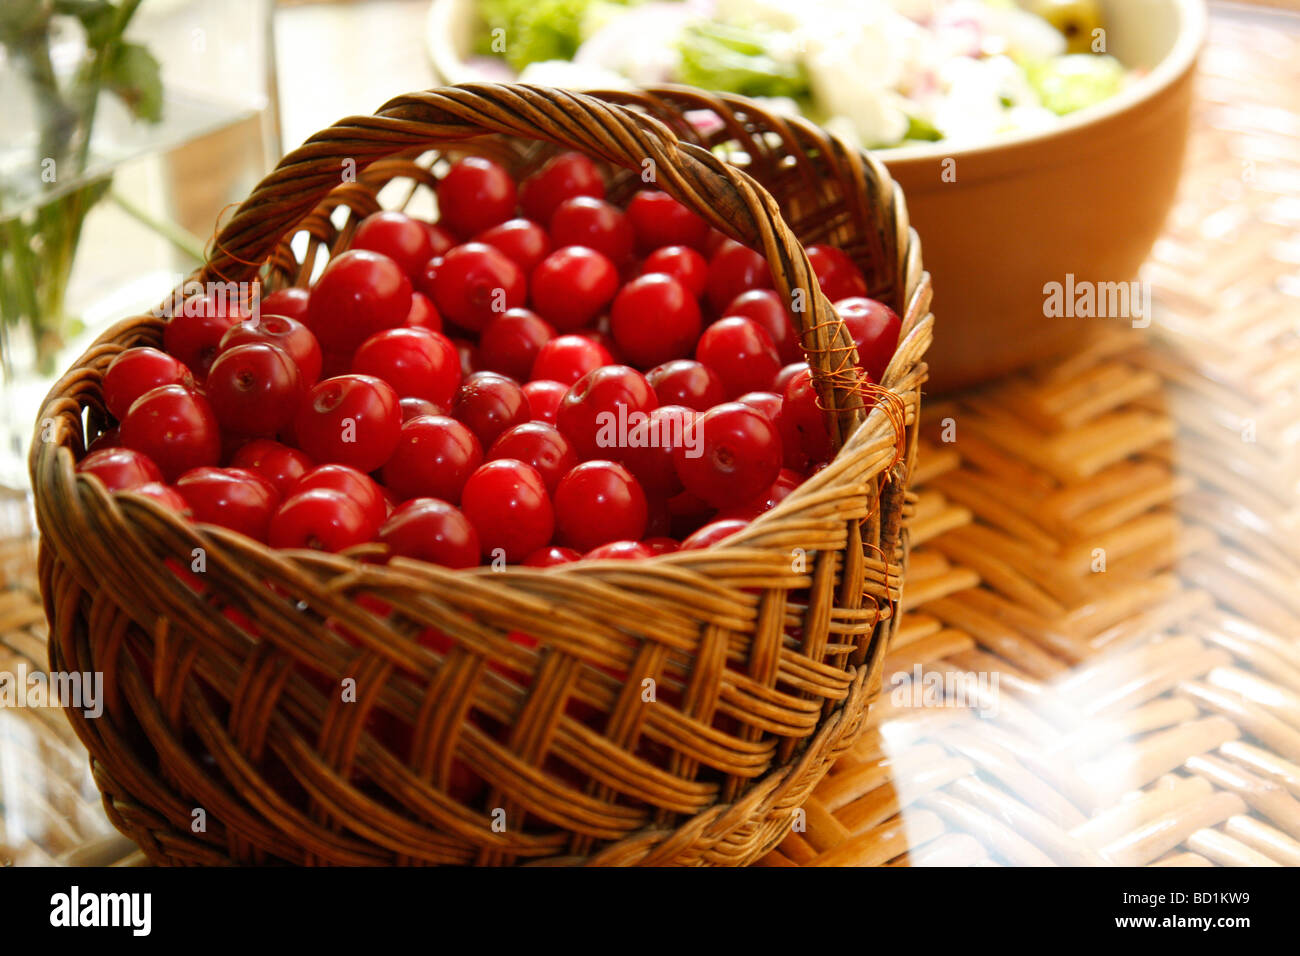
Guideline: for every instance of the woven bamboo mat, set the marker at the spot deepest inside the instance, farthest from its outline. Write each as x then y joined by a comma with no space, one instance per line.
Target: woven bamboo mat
1104,595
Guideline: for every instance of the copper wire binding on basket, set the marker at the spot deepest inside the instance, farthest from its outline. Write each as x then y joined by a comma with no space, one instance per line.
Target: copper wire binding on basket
224,687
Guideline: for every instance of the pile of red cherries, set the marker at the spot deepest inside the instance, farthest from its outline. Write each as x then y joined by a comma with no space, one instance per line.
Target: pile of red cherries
538,377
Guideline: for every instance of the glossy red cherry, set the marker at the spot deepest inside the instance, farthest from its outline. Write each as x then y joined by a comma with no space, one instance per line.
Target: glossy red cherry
736,453
602,408
431,530
836,273
120,468
784,376
507,504
594,223
803,423
598,502
233,498
619,551
735,269
875,328
434,458
395,234
766,307
563,176
544,397
290,302
572,285
279,464
413,407
423,314
682,263
740,353
566,358
522,240
686,382
287,334
713,533
511,341
654,319
137,371
768,403
550,557
175,427
475,283
662,545
194,334
660,220
350,420
439,238
321,519
255,389
648,454
539,445
359,293
415,362
786,482
476,194
357,485
165,495
488,404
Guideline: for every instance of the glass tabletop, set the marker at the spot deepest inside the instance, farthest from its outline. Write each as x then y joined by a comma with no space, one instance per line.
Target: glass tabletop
1099,659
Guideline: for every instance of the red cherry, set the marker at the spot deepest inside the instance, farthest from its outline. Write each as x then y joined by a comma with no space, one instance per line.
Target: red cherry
506,502
440,239
875,328
175,427
279,464
287,334
662,545
434,458
165,495
712,533
350,420
803,423
619,551
735,269
784,376
290,302
572,285
120,469
357,485
522,240
255,389
423,314
474,283
767,403
488,404
476,194
359,293
567,358
544,397
654,319
539,445
550,557
682,263
233,498
836,273
786,482
740,353
137,371
598,502
648,454
321,519
414,362
511,341
766,307
413,407
686,382
431,530
660,220
594,223
194,334
601,409
396,235
735,454
563,176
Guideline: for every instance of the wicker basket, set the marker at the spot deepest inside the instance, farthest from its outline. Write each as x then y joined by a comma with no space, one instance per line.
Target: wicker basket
226,690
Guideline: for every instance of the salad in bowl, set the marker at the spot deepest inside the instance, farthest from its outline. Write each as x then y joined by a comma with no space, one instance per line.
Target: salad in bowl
879,73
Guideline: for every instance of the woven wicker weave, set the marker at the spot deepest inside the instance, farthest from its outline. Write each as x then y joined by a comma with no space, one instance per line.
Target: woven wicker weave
763,660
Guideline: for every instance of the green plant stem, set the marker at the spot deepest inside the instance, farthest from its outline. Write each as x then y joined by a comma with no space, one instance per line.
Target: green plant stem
182,239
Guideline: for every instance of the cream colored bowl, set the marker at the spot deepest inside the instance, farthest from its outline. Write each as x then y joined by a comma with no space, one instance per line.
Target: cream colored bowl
1000,223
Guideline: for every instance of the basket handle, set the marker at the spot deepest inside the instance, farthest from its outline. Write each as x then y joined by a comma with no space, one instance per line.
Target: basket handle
726,197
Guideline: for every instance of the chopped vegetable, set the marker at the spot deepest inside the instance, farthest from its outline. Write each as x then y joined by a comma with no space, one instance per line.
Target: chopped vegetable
717,56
